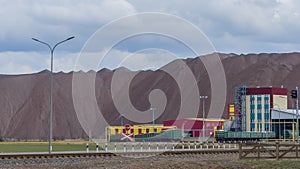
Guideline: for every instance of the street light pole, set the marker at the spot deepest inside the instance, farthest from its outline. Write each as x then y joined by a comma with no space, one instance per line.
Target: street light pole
122,120
297,115
203,113
51,85
153,112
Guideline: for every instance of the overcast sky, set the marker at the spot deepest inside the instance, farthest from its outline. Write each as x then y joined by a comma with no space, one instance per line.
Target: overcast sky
232,26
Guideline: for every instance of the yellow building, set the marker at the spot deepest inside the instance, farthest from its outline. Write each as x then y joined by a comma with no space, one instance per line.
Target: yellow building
136,129
231,112
259,102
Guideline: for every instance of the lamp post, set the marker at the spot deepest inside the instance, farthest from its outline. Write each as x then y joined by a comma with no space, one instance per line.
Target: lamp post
279,119
122,120
182,130
51,85
297,115
203,112
279,125
153,112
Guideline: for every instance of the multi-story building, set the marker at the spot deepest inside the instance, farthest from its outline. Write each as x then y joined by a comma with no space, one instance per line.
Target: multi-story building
259,102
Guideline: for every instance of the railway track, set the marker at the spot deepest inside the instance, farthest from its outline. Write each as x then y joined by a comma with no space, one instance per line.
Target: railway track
111,154
135,153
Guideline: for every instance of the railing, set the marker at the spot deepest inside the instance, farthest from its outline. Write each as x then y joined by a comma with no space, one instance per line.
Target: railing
268,150
163,146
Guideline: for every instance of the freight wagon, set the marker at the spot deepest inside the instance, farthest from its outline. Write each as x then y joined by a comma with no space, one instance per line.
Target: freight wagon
222,135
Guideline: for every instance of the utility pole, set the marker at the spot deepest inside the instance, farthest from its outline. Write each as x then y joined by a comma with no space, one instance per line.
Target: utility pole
297,116
51,85
153,112
203,114
294,95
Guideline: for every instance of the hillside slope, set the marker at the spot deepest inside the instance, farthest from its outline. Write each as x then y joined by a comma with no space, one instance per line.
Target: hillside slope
24,99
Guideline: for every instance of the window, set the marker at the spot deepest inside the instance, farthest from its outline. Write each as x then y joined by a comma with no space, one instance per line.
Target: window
267,99
252,98
252,116
258,99
259,116
267,116
267,126
266,106
259,106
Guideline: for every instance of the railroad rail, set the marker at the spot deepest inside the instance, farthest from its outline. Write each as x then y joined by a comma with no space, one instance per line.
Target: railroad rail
244,150
111,154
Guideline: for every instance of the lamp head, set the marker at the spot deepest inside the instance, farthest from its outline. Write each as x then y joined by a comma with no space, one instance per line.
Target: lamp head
71,38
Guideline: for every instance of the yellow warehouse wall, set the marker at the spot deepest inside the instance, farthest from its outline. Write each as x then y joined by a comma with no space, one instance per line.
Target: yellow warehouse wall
280,102
111,129
248,113
255,111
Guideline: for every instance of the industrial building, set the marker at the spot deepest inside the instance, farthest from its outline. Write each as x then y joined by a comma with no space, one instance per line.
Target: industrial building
259,102
117,133
256,110
197,127
284,122
253,107
264,109
169,130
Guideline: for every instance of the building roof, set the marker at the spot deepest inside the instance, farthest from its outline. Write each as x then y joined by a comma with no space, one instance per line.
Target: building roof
201,119
283,114
267,90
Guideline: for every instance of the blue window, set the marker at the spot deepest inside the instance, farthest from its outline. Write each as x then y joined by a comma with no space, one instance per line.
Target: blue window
267,126
252,106
252,116
259,99
252,125
259,116
267,110
259,106
251,100
266,106
266,116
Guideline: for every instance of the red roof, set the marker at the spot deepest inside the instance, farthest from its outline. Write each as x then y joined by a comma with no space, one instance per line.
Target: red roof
267,90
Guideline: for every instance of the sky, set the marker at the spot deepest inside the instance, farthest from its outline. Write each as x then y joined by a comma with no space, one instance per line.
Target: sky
230,26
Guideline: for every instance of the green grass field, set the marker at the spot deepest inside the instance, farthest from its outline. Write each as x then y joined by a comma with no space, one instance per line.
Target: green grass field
12,147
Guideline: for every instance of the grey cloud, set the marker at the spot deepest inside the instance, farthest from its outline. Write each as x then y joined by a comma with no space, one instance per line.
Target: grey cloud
53,21
238,26
261,22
